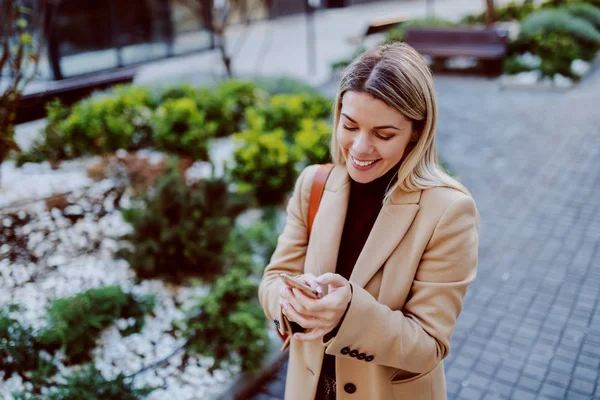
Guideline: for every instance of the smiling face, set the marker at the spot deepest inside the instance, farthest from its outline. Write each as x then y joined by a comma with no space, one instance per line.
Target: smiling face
372,136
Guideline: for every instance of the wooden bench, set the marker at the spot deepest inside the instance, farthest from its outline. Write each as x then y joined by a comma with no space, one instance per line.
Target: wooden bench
378,26
32,106
487,45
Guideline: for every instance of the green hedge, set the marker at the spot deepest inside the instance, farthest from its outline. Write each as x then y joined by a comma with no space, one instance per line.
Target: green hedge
557,37
229,323
280,138
89,384
178,119
178,230
21,350
75,323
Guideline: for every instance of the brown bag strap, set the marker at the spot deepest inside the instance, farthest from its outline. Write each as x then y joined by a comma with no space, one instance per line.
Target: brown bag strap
316,192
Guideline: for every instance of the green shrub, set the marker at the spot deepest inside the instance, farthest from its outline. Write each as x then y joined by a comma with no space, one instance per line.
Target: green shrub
20,351
178,230
558,38
546,21
585,11
52,145
75,323
397,34
101,124
512,65
181,128
229,324
560,3
287,112
285,85
226,104
313,141
177,92
264,164
258,240
512,11
89,384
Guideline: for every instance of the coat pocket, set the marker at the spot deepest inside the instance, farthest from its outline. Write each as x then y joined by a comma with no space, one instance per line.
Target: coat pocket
410,385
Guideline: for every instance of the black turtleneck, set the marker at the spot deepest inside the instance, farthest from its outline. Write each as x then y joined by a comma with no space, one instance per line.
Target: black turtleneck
366,200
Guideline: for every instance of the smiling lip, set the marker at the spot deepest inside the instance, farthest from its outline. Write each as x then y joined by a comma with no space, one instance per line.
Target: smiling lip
361,167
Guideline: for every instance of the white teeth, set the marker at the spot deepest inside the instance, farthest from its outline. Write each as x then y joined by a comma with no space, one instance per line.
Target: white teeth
363,164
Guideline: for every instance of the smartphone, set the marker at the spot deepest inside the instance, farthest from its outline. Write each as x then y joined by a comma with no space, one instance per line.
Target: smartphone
295,283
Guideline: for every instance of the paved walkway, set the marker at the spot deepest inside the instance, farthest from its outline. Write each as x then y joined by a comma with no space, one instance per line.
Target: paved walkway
530,328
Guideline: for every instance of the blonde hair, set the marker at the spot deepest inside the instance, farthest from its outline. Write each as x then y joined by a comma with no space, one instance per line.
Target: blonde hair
397,74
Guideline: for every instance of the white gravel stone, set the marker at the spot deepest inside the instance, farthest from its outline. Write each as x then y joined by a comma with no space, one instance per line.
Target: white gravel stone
67,269
580,67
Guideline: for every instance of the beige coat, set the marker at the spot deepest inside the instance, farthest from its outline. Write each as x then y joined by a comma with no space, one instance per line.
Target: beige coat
408,285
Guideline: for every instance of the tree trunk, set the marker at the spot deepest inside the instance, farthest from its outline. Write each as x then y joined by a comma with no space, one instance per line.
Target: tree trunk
489,13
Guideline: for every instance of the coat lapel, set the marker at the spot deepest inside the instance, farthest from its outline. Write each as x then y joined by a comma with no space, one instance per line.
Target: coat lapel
330,219
391,225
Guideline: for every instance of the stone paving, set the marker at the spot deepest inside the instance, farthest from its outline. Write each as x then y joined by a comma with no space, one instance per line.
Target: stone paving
530,328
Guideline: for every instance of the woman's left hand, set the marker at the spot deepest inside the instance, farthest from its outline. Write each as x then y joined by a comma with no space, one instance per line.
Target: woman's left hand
318,316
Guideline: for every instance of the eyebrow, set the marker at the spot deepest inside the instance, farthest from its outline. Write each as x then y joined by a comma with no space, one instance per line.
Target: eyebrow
376,127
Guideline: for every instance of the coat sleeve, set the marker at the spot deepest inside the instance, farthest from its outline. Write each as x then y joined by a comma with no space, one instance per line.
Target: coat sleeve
417,338
290,252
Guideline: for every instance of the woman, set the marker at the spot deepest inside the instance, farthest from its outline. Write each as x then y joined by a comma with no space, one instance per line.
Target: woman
393,245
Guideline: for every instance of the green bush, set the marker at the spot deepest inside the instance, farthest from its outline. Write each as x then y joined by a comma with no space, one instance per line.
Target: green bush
181,128
585,11
226,104
512,65
546,21
75,323
178,230
114,120
313,141
258,240
285,85
264,164
89,384
288,111
558,38
512,11
20,351
397,34
229,324
53,145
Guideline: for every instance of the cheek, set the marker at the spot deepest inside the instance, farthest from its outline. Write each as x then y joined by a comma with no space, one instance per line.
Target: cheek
393,152
342,139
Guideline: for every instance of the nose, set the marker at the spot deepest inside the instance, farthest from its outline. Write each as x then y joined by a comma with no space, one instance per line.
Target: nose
361,144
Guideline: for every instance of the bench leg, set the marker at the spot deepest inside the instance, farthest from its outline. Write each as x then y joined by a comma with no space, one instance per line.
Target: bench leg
492,68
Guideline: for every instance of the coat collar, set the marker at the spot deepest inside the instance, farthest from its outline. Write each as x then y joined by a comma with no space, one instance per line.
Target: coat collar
391,225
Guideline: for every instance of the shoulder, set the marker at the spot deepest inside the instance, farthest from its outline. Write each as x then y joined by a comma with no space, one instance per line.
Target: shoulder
306,177
445,203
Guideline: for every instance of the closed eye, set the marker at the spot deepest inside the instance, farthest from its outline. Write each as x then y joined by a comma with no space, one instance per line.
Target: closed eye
348,128
382,137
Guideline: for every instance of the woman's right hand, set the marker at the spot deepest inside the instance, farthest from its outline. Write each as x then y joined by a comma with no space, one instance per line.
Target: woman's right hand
286,293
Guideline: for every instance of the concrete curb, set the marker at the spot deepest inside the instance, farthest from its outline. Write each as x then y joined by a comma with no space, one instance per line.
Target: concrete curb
244,385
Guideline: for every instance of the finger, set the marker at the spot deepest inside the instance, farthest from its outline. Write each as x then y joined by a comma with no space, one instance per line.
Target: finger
312,335
311,281
304,303
305,321
332,279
